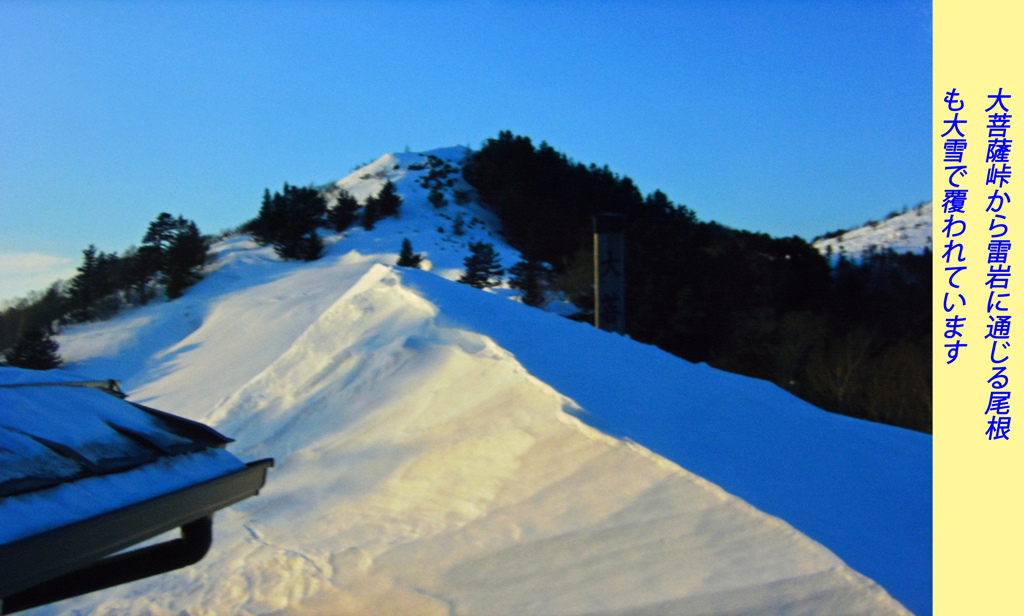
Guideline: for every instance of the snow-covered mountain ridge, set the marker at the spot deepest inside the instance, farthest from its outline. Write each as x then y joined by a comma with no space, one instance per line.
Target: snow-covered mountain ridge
442,450
909,231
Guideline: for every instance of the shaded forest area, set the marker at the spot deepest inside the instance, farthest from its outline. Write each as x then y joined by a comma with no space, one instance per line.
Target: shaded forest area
853,338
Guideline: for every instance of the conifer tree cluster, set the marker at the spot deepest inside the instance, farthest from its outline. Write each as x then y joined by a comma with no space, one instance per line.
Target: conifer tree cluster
289,220
174,250
771,308
436,198
99,276
40,310
527,277
343,213
35,350
382,205
171,255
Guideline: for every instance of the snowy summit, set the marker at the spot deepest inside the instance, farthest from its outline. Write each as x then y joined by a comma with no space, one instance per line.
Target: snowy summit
444,450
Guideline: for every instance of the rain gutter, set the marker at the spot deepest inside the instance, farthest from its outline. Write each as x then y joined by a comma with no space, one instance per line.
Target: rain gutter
83,557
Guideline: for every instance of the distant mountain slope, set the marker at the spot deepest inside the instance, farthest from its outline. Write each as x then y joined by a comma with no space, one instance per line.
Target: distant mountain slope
910,231
432,458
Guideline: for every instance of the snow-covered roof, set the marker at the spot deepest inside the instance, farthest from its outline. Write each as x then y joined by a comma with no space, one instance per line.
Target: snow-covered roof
70,451
74,451
54,431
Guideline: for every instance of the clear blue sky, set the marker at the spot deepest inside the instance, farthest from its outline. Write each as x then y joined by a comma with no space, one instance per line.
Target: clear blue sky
792,118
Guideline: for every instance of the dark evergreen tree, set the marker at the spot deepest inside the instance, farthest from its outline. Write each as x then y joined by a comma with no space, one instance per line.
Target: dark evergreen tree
407,258
526,278
459,225
161,232
270,217
34,351
186,255
38,310
371,213
389,200
110,282
141,265
85,286
483,267
157,239
305,247
343,214
147,263
436,198
151,259
304,209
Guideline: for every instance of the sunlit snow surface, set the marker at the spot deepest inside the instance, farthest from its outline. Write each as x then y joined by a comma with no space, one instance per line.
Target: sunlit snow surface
910,232
438,452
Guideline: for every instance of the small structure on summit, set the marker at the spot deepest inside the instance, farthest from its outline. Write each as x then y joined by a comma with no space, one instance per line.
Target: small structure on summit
85,474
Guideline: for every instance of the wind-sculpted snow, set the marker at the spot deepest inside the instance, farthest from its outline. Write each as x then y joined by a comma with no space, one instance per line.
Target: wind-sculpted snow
422,470
863,489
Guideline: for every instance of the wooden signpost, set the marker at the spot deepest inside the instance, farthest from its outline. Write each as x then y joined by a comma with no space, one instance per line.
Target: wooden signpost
610,273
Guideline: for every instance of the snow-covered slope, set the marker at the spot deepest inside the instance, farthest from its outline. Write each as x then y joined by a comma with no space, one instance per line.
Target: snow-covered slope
438,450
429,229
910,231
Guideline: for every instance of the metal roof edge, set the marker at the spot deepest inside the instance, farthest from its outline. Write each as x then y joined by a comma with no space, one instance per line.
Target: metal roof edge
188,428
34,560
108,386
